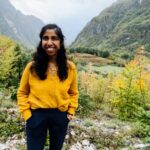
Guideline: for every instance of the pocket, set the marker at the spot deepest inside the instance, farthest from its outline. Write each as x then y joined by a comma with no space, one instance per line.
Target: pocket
29,119
67,117
29,122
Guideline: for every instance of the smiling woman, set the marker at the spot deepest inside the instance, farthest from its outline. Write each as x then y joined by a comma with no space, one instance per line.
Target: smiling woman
51,43
48,93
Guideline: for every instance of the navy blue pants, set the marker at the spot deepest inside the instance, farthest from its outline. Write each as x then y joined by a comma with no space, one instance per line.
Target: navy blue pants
40,122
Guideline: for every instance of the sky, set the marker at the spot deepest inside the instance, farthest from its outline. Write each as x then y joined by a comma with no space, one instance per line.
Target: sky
70,15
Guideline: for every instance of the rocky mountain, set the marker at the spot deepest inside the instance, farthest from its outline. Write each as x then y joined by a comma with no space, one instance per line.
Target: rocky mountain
123,26
20,27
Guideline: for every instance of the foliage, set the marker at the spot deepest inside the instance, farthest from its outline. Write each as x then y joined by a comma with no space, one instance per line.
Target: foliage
85,104
12,62
96,87
96,52
142,130
130,91
10,123
73,58
127,90
9,129
125,56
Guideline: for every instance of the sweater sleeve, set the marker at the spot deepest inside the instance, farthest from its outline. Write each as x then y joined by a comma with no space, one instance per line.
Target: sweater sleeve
23,93
73,92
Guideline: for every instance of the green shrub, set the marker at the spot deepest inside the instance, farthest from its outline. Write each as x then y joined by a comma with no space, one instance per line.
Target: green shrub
130,91
142,131
85,104
9,129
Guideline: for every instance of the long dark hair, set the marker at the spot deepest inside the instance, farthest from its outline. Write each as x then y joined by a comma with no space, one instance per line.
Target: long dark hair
41,59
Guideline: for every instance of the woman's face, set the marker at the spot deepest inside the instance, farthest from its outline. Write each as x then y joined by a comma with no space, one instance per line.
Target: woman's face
51,42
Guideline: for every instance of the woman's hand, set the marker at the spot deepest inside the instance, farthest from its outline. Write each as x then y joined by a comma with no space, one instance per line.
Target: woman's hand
70,117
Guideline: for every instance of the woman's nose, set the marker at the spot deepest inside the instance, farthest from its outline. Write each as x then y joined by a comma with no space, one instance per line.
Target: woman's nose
50,41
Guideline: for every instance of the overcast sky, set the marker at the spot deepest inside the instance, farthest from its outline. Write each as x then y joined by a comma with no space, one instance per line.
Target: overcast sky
70,15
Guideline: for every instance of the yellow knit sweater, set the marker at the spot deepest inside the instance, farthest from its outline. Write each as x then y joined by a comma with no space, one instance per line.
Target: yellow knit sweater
34,93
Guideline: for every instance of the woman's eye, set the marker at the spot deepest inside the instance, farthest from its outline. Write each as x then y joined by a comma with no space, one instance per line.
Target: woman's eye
45,38
55,38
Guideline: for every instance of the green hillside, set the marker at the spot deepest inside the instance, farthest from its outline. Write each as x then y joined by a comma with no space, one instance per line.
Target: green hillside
124,26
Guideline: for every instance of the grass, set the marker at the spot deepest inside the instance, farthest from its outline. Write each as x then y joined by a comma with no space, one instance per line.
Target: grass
107,69
104,70
91,58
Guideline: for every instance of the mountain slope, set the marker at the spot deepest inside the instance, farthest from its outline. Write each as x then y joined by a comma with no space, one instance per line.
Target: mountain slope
22,28
123,26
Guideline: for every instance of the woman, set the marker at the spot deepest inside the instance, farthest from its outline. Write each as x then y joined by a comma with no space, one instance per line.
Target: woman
47,96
